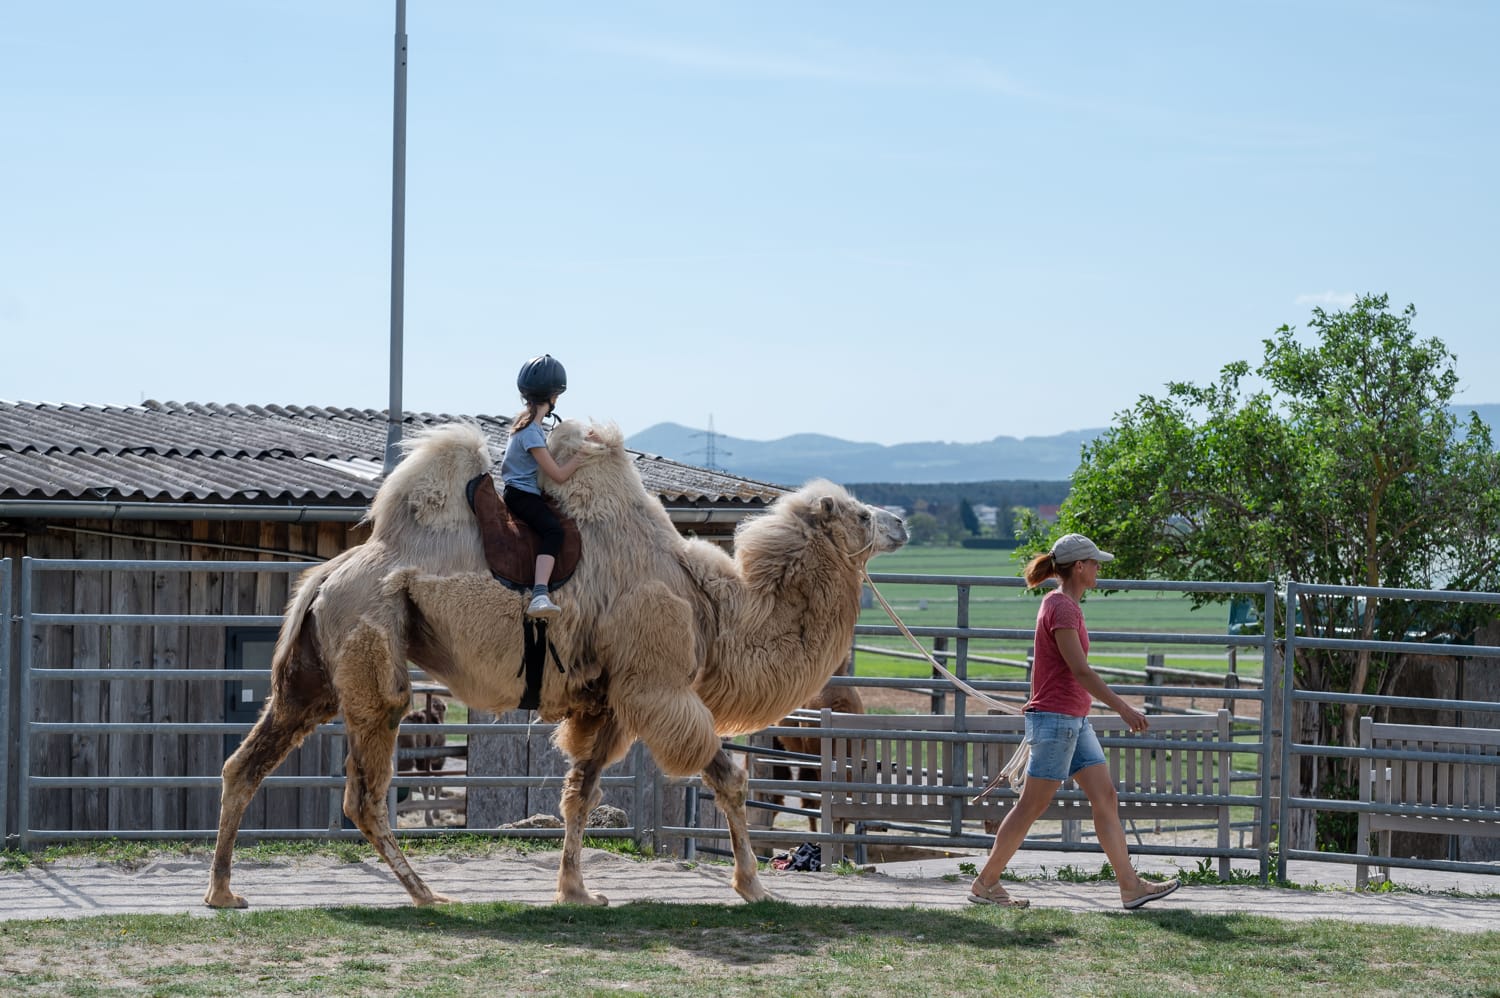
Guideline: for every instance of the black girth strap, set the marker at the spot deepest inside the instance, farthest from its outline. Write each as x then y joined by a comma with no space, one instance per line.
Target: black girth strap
533,660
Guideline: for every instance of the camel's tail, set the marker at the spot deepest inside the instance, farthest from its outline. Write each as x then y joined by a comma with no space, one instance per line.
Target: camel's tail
290,639
426,490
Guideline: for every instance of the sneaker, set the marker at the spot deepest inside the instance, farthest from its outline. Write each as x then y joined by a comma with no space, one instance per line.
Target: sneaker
542,607
995,894
1148,891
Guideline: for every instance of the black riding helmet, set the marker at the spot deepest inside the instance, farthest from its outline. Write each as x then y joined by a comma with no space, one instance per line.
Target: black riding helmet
541,378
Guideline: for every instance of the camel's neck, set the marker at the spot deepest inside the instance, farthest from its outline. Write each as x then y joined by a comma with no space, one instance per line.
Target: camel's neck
782,646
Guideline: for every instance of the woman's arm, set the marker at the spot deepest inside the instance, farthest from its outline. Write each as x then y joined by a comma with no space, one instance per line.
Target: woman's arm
1072,653
550,467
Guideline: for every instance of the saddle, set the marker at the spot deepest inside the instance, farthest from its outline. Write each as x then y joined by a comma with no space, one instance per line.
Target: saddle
510,546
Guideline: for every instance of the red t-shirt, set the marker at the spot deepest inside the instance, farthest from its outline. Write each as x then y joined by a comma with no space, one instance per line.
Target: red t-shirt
1053,688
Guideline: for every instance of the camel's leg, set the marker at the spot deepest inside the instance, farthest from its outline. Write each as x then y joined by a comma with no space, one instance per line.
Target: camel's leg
731,785
293,710
604,740
371,679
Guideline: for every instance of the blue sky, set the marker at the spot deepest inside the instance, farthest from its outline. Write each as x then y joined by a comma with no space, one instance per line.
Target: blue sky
882,221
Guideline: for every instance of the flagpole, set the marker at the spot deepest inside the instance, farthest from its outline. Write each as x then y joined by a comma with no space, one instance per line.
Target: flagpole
394,411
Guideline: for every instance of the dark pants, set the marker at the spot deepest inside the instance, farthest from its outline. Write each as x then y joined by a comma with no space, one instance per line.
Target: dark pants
532,510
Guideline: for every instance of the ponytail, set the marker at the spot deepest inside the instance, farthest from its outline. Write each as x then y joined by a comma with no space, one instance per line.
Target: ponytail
1044,566
1040,569
524,418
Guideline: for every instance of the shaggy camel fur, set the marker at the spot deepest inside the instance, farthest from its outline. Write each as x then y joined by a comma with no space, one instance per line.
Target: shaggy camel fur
664,639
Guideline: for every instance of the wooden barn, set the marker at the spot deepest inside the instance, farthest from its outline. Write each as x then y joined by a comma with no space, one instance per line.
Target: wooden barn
168,482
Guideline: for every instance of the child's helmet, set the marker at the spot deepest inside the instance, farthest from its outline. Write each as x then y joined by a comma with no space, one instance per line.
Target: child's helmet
541,378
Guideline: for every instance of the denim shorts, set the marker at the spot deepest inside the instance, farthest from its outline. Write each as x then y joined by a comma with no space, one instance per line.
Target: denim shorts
1061,745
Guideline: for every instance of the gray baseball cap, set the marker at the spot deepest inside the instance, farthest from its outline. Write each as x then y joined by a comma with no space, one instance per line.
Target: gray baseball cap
1075,547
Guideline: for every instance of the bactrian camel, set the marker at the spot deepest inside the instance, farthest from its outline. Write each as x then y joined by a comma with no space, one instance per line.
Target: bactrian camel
664,639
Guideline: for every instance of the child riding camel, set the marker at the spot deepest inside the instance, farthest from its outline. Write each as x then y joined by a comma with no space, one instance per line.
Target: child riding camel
541,381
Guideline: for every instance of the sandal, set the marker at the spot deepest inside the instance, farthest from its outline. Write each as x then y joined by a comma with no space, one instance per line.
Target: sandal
994,894
1147,892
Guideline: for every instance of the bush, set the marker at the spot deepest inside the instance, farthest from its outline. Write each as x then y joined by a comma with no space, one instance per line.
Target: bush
990,543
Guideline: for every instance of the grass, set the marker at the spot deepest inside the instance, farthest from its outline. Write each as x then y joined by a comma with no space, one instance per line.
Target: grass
936,605
769,948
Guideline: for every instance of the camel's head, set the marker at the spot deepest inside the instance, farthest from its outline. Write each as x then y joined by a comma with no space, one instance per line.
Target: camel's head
856,529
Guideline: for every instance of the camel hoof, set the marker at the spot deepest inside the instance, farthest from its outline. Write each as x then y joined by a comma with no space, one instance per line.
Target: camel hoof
754,890
224,899
584,898
435,898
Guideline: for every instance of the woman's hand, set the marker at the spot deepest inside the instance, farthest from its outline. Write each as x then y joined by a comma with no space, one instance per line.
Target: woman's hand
1133,718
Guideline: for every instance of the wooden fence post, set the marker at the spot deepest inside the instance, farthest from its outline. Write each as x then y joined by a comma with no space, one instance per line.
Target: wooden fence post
939,650
1155,663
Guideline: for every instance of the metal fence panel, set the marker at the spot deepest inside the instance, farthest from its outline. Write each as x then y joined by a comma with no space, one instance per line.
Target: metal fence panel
1274,746
1291,750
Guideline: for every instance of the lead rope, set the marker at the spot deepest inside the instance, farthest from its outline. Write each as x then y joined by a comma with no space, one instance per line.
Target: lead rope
1014,771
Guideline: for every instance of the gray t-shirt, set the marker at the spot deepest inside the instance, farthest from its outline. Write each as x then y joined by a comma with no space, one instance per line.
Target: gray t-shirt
518,468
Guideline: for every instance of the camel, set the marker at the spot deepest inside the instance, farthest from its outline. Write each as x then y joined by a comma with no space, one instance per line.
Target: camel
664,639
434,713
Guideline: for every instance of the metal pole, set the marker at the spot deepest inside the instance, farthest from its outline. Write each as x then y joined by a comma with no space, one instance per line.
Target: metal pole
23,718
1288,695
394,411
5,681
1270,680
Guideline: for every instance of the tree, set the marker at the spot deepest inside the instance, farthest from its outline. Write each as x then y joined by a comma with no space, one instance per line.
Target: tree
1346,468
968,517
924,528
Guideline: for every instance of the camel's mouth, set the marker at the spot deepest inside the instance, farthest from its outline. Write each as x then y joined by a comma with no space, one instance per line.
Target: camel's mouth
890,532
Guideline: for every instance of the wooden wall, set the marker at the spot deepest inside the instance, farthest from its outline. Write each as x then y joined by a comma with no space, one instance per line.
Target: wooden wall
130,646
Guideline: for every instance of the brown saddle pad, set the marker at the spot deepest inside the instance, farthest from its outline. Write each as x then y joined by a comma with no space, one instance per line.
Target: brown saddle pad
510,546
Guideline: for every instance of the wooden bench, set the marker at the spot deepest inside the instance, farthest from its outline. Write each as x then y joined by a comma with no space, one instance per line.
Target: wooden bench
922,778
1469,792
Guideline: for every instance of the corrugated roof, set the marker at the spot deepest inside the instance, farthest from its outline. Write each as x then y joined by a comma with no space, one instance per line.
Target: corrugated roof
255,455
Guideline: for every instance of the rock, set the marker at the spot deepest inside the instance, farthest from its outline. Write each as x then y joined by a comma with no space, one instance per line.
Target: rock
608,816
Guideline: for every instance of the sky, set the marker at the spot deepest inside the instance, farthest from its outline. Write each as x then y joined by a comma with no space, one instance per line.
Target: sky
887,222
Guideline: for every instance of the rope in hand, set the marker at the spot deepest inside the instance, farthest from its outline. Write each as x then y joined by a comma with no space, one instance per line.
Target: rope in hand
1014,771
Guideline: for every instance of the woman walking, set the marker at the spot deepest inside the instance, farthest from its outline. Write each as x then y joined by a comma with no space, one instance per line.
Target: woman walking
1063,744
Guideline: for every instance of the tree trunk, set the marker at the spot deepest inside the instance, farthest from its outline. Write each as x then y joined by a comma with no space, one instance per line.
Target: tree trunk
1299,829
1480,680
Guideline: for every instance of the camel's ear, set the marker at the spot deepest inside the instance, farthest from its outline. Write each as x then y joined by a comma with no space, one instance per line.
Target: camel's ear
826,506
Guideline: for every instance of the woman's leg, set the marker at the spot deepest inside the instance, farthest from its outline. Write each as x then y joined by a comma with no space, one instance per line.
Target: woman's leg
1099,788
1036,794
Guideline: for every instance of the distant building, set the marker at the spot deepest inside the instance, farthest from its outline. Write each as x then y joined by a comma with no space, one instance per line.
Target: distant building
986,514
1049,513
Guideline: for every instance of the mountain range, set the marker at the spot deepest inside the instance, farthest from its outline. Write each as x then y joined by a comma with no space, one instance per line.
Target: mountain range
795,459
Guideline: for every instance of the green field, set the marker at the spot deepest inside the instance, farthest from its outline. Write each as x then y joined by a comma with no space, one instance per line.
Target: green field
934,605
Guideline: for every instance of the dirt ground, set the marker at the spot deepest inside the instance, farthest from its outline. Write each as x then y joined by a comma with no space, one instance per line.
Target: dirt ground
894,701
174,884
